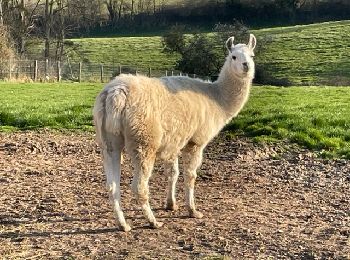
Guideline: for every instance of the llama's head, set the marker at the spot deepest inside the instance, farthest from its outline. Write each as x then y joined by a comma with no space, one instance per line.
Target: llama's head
240,58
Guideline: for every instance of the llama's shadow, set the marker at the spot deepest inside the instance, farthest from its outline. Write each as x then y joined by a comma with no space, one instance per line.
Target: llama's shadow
7,220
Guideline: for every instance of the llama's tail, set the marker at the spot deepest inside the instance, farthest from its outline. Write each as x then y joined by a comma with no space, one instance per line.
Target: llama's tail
109,110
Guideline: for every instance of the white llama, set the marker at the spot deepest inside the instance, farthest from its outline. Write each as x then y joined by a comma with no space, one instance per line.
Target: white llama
165,117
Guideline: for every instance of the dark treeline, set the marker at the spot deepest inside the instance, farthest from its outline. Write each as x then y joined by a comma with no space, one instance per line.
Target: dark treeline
258,13
55,20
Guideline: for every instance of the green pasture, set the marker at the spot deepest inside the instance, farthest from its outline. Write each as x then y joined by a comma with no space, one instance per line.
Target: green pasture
314,117
317,54
308,54
52,105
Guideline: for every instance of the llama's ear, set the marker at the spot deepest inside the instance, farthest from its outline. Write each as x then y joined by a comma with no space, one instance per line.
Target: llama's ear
252,42
229,43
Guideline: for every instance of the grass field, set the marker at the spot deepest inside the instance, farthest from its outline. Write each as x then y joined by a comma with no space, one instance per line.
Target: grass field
58,106
309,54
298,55
314,117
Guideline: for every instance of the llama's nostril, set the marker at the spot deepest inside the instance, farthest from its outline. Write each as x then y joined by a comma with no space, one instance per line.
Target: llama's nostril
245,66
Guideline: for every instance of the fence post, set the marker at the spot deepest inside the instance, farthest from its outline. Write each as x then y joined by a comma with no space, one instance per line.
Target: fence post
194,76
46,69
80,67
172,73
166,73
10,68
58,71
180,73
101,72
35,70
120,69
149,72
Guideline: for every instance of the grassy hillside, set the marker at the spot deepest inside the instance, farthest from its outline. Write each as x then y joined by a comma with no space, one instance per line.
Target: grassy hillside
309,54
302,55
315,117
140,52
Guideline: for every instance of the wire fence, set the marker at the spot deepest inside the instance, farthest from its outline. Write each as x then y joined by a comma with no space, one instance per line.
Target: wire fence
51,71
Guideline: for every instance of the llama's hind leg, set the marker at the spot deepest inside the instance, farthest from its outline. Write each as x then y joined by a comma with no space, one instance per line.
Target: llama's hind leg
192,160
112,167
143,170
172,169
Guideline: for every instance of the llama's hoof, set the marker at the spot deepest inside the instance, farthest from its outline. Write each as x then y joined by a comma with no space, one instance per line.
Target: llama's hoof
125,228
171,206
195,214
156,224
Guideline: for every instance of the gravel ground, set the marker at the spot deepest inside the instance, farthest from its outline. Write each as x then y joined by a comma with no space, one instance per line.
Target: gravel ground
259,202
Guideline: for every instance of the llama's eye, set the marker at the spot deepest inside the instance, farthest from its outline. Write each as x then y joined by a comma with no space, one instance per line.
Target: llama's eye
234,57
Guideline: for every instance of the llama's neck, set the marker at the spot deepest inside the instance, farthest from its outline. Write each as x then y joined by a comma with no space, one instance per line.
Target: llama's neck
233,91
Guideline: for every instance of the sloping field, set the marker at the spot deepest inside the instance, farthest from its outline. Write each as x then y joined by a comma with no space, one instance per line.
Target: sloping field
302,55
309,54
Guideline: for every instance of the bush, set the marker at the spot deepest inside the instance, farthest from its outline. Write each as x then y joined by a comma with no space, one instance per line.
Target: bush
202,55
174,40
236,29
6,48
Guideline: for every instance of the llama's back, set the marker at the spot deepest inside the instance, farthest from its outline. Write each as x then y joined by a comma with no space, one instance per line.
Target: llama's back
171,111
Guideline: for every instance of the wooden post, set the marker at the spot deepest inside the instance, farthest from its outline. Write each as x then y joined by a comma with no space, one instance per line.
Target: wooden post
166,73
194,76
46,69
80,67
172,73
101,72
35,70
149,72
180,73
10,68
58,71
120,69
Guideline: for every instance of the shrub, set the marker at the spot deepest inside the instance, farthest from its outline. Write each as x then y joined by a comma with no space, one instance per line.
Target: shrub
200,56
6,47
174,39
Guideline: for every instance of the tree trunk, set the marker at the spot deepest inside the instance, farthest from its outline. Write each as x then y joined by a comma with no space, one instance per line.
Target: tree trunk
1,14
120,9
47,31
132,9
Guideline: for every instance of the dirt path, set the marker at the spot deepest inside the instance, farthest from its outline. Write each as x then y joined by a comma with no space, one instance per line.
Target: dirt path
258,202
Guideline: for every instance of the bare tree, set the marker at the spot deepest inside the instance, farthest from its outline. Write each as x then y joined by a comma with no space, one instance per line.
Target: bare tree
22,21
48,24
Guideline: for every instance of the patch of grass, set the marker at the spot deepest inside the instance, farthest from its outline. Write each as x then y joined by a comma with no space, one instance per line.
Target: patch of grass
308,54
135,52
60,106
298,55
313,117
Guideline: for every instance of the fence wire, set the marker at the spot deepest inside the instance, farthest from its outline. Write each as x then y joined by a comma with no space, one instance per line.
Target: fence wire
50,71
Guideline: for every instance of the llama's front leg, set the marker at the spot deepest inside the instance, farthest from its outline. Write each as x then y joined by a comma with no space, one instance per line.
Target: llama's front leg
173,170
143,171
111,162
193,159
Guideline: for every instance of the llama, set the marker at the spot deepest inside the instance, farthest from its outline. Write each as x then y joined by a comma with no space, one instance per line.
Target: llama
161,118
